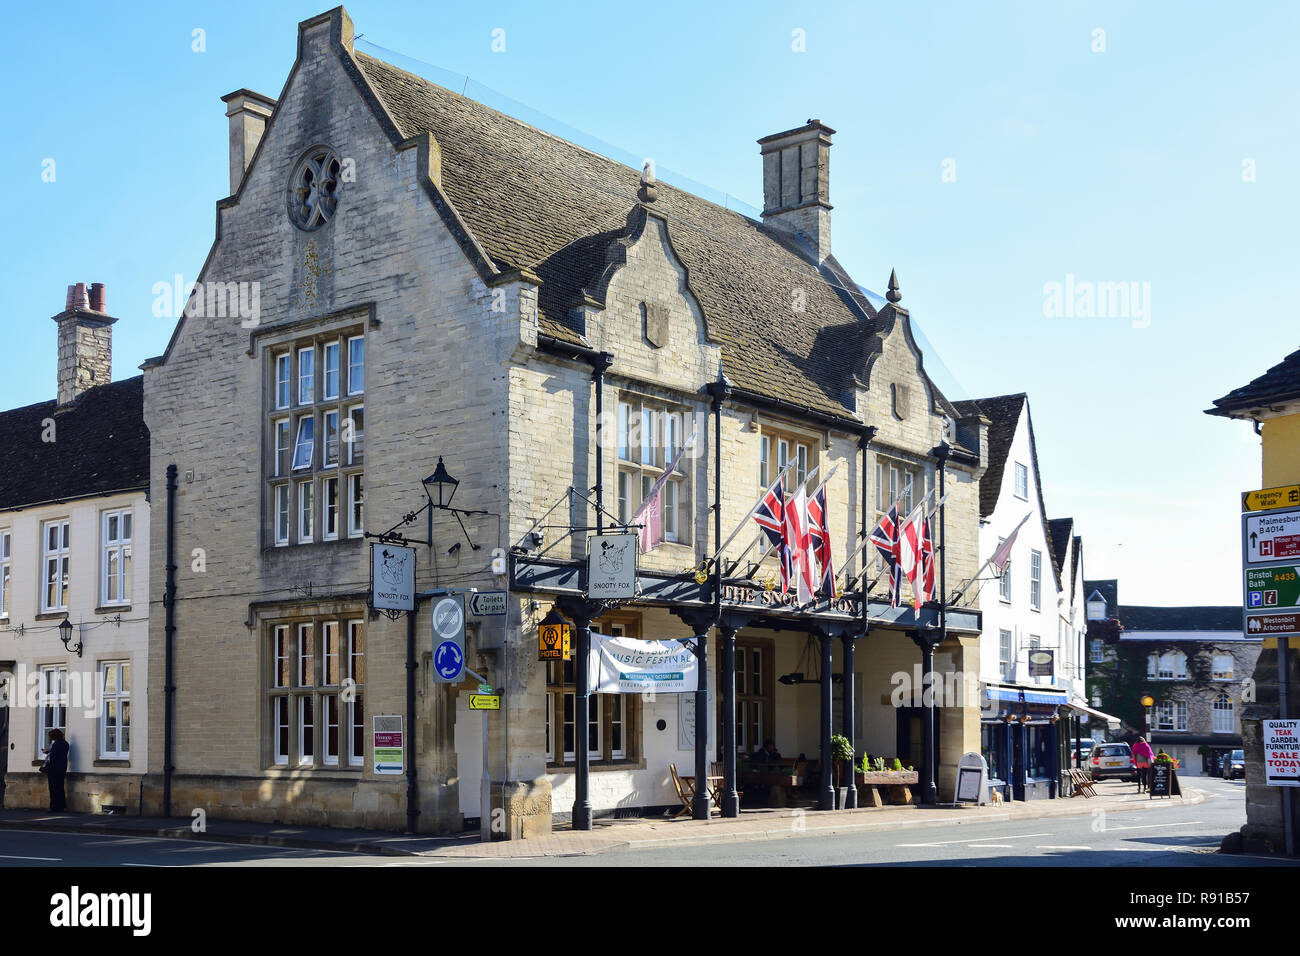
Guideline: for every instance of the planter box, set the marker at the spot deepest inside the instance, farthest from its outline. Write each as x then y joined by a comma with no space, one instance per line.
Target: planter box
887,778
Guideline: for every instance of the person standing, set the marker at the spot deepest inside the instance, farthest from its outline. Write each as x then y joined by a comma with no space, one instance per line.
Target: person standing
56,770
1142,757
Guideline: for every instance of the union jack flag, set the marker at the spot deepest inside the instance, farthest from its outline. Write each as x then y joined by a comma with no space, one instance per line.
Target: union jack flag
821,540
770,516
885,538
927,560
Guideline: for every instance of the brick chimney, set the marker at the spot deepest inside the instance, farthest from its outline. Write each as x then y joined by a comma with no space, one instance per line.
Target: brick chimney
248,112
85,341
796,183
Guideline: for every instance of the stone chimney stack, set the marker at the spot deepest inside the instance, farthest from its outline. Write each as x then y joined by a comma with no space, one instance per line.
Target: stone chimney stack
248,112
85,341
796,183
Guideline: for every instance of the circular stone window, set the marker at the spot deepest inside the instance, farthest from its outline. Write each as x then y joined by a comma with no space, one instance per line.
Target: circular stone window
314,188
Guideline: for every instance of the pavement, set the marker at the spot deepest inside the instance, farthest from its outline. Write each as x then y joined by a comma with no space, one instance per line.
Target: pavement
752,825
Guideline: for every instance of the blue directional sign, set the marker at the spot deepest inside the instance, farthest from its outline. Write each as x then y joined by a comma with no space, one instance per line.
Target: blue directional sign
449,638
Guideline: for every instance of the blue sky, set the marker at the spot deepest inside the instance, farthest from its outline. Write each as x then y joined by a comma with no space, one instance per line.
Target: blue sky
1128,164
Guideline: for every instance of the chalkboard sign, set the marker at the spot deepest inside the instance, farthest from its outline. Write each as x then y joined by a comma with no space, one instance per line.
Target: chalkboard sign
1162,780
968,784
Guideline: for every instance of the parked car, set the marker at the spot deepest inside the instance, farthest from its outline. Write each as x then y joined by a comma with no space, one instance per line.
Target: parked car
1234,765
1112,760
1084,750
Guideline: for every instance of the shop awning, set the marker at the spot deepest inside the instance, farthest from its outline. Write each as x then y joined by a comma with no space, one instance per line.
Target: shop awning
1084,708
1016,695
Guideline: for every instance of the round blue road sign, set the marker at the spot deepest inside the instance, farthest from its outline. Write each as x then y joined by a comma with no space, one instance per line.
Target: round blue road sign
449,660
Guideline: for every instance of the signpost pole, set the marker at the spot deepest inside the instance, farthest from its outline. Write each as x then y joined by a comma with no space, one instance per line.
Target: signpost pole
1284,705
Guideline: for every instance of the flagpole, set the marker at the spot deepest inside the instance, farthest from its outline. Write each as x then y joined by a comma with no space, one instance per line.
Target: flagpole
761,535
867,541
976,576
716,554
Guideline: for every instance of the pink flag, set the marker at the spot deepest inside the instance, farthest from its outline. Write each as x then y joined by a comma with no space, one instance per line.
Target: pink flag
650,513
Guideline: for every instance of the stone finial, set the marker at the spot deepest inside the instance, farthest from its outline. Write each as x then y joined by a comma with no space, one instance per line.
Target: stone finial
648,191
893,295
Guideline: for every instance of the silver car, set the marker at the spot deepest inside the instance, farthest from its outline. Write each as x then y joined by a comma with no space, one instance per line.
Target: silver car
1112,760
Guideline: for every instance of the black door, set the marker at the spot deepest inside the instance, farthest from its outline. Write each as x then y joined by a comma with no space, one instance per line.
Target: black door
6,684
911,739
1017,761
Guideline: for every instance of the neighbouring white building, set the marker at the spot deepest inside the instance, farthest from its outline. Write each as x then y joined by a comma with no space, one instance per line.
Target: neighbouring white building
1031,650
74,527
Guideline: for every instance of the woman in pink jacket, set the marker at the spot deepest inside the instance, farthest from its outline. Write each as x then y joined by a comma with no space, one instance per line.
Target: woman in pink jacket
1142,757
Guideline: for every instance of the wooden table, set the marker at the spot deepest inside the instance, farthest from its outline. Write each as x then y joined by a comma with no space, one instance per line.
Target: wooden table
714,785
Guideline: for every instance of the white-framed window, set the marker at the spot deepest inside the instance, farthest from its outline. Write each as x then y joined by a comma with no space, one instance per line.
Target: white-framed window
51,704
1097,648
1171,715
330,508
610,717
115,710
1006,656
316,692
1036,580
6,558
1022,481
356,505
330,371
1225,721
283,380
304,445
1172,665
306,511
764,460
306,375
1004,579
1224,667
280,429
115,557
896,481
55,559
649,437
280,515
356,365
320,445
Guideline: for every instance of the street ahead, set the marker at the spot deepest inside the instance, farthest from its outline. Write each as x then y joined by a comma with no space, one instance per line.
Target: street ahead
1170,835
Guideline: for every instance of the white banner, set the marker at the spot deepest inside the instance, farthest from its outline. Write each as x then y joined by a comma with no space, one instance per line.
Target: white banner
620,665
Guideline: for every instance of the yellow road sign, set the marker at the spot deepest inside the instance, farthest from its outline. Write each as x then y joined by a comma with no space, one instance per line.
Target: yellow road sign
1266,499
484,702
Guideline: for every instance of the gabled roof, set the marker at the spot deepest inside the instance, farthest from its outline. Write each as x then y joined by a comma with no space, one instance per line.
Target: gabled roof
1109,588
1203,618
534,201
1279,384
1003,413
1060,531
100,445
1076,565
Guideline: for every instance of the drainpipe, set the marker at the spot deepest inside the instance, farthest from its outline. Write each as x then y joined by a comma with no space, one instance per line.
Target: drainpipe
599,363
412,785
169,603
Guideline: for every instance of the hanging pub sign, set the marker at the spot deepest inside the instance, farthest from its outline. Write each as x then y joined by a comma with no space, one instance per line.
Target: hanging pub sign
621,665
392,577
611,567
1042,663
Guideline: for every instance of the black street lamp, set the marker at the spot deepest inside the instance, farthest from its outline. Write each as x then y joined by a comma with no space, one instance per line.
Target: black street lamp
445,484
65,635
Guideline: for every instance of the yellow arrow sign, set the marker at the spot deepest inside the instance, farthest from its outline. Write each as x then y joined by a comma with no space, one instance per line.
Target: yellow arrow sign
484,702
1267,499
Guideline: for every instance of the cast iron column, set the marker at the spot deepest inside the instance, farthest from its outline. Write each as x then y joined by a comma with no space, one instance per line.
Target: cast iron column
848,641
700,804
826,791
581,727
926,641
730,798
